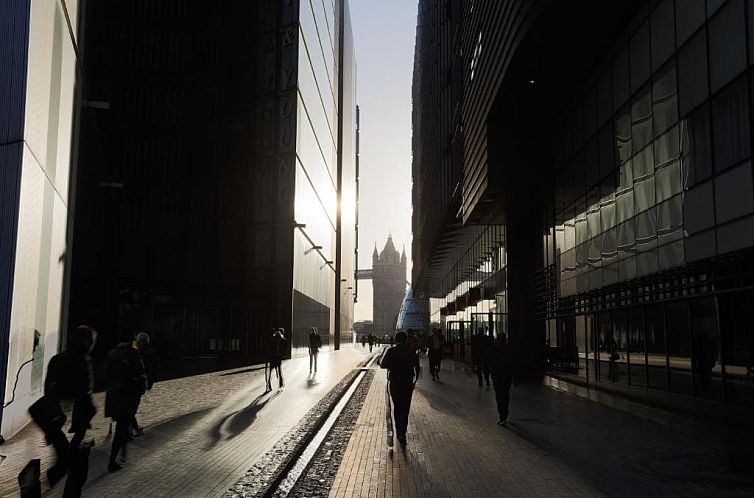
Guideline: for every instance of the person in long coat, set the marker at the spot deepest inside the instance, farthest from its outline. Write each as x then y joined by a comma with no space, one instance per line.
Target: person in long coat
126,382
402,364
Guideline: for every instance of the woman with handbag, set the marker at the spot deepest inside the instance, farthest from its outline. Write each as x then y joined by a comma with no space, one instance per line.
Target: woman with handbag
69,377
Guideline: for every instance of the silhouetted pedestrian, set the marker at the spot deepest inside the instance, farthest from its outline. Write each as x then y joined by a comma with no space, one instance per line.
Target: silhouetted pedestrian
69,377
363,341
436,347
403,368
126,383
151,362
277,349
479,345
315,342
371,340
501,362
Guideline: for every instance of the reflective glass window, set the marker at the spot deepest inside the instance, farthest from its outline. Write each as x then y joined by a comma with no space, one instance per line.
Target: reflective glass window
639,56
679,347
646,230
696,147
671,255
664,99
700,246
636,346
706,365
621,80
641,119
607,151
668,165
619,346
626,237
692,73
733,193
670,219
737,346
735,236
699,209
644,179
604,98
657,373
662,27
604,339
727,44
689,16
730,113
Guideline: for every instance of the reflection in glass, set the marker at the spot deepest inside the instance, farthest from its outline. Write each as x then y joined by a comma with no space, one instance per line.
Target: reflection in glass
657,373
679,347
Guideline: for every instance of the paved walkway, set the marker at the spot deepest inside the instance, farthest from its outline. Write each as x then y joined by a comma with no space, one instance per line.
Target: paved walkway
202,433
556,444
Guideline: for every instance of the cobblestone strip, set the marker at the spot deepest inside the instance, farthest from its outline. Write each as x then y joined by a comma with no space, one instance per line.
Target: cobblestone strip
319,476
267,472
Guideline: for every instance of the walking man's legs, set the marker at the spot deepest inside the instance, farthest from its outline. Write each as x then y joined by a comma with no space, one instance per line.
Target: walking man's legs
432,363
311,361
479,372
119,441
486,369
279,370
316,355
402,405
502,396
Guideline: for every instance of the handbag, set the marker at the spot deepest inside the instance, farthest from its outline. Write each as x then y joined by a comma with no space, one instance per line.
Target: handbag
47,413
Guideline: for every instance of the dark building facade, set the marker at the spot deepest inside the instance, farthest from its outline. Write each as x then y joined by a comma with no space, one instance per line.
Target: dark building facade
583,182
388,287
215,182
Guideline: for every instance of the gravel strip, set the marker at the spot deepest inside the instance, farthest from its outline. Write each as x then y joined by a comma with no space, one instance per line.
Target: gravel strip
319,476
274,464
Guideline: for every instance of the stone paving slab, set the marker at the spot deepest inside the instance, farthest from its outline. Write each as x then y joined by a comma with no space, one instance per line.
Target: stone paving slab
202,433
556,444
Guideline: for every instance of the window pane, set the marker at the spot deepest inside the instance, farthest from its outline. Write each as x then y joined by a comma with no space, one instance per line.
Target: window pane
641,119
664,99
604,99
708,382
604,347
663,35
636,346
689,15
692,73
736,235
621,88
619,356
656,349
679,347
738,346
607,152
727,44
698,208
730,113
623,135
733,193
646,230
639,54
701,246
696,148
670,220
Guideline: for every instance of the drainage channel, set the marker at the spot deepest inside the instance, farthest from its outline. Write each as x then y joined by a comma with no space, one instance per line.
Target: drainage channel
303,460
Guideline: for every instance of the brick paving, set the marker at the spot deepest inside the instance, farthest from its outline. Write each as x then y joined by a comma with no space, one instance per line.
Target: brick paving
202,433
556,444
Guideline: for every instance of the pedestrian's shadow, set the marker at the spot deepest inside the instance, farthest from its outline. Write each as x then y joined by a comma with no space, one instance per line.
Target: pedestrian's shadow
236,422
312,381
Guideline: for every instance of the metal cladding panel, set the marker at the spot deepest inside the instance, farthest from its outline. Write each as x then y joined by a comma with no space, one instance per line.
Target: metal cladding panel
491,35
14,46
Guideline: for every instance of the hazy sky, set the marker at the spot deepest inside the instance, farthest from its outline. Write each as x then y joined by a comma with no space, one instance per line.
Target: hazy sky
384,33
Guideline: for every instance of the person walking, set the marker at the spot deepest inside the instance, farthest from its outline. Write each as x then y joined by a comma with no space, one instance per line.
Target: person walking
151,362
125,383
363,341
403,368
277,349
69,378
479,345
436,347
501,362
370,340
315,342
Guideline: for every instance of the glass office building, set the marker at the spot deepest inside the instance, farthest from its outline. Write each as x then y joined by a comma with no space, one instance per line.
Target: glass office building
200,185
611,147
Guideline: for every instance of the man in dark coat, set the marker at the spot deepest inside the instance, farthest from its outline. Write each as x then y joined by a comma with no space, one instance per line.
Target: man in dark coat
126,381
403,368
480,343
436,346
501,363
277,349
69,376
315,342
